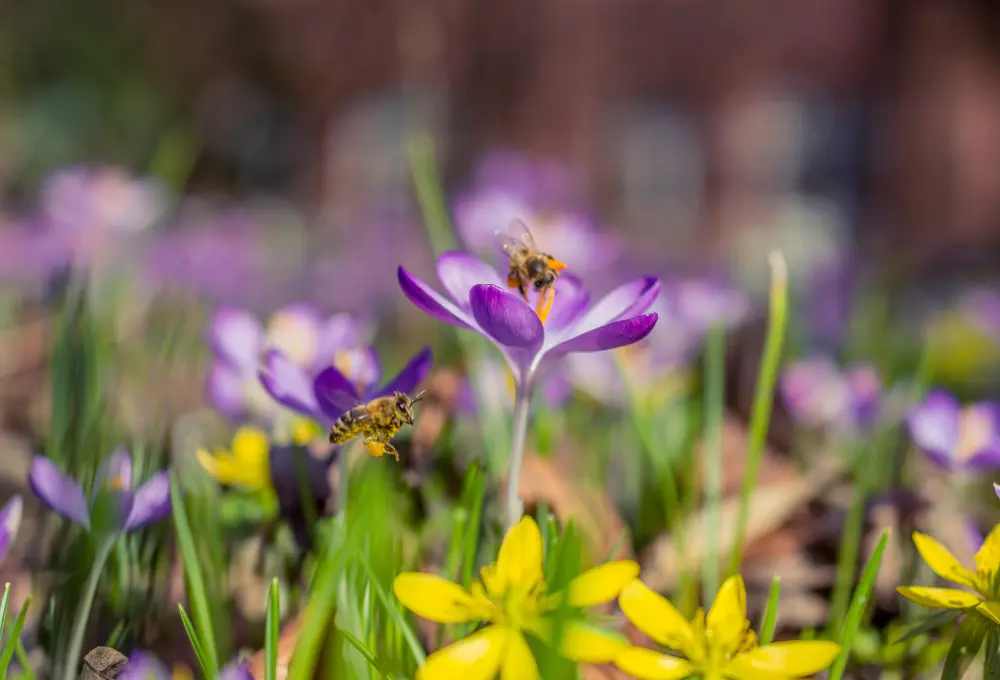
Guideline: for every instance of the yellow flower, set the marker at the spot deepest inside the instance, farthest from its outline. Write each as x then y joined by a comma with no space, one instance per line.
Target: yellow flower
986,599
718,646
246,465
511,597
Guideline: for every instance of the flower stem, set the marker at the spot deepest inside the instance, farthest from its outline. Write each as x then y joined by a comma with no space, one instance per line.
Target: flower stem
522,404
72,661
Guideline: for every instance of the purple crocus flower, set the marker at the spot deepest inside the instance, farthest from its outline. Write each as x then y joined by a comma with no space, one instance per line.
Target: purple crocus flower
330,394
818,394
298,331
480,302
145,666
956,437
10,522
131,509
508,185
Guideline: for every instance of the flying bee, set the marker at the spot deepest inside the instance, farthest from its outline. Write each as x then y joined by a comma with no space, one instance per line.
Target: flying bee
377,421
529,266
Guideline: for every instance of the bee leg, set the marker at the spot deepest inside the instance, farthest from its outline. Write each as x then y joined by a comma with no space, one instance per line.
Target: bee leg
391,450
544,305
375,447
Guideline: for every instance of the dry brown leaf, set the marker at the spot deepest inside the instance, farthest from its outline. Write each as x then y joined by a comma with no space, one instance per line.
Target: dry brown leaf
769,508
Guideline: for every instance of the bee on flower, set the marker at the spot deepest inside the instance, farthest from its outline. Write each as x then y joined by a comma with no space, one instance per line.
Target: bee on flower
511,599
719,645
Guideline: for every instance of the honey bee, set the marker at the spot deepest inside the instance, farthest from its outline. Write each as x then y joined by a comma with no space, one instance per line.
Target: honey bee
529,266
377,421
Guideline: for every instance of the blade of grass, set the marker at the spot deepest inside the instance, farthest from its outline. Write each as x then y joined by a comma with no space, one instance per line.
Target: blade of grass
472,526
760,416
857,608
770,619
715,357
847,556
3,607
192,637
22,658
366,653
423,166
13,638
416,649
194,580
272,632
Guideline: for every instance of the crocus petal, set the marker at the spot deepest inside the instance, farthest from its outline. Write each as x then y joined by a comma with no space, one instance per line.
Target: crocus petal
942,562
437,599
288,384
334,393
506,318
726,619
236,670
589,644
432,302
412,374
601,584
615,334
650,665
144,666
996,488
151,502
61,493
934,424
459,272
655,616
939,598
571,301
115,472
236,336
629,299
794,659
226,389
519,563
10,521
518,661
477,657
339,332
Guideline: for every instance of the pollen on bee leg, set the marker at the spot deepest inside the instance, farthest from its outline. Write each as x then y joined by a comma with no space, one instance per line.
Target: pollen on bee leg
376,449
544,305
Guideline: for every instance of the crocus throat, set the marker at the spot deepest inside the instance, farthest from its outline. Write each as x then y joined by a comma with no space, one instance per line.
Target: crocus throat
975,430
544,304
116,483
343,361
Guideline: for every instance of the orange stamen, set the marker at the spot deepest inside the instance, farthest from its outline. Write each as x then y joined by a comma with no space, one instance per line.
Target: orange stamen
545,304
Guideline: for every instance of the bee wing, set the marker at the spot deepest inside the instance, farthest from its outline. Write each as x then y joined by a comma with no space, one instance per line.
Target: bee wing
333,400
517,238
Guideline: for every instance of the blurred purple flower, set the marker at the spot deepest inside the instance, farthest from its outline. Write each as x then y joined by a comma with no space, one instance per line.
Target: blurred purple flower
480,302
10,522
331,393
954,437
818,394
113,492
307,340
145,666
92,200
509,185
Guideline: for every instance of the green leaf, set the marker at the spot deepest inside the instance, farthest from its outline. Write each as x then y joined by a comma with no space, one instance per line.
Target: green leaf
857,609
14,637
929,623
770,618
272,632
965,646
192,637
3,607
416,649
194,580
715,385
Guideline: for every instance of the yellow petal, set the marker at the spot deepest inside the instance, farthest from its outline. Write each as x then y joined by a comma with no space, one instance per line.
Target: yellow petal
519,564
941,561
727,619
601,584
990,610
477,657
518,662
589,644
988,559
434,598
939,598
649,665
250,445
655,616
794,659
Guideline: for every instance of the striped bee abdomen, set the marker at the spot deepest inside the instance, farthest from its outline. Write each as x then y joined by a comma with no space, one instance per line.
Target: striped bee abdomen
349,425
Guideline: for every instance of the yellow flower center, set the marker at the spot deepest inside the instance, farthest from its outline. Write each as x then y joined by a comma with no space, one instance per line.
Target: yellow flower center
975,432
116,483
515,607
294,335
344,361
712,652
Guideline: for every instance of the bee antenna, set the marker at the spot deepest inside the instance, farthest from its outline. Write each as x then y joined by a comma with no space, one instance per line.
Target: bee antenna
418,397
